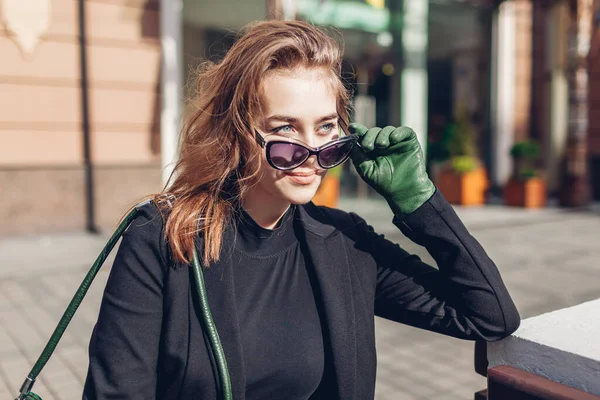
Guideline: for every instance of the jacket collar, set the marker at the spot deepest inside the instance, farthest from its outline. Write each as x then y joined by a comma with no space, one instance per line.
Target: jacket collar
333,287
314,220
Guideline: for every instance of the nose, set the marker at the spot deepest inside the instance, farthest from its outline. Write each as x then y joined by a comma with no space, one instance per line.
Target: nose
311,162
314,140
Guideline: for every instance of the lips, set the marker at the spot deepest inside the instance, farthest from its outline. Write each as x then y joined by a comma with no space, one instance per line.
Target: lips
302,178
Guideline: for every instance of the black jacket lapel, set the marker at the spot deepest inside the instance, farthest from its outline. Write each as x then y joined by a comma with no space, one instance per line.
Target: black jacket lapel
326,252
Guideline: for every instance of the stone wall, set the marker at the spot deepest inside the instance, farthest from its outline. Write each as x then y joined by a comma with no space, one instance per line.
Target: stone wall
561,346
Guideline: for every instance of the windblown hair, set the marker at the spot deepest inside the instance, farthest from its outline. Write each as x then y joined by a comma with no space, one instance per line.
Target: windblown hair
219,158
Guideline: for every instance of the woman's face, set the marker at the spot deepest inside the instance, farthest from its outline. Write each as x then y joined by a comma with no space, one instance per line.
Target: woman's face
299,104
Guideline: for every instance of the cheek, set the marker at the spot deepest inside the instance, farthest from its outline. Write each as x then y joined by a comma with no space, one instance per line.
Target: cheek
270,176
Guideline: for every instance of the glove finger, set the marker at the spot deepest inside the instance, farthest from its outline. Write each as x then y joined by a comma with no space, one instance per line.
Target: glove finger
383,138
368,141
401,134
358,129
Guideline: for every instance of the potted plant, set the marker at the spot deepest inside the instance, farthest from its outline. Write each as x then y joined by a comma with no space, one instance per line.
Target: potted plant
463,179
525,188
329,189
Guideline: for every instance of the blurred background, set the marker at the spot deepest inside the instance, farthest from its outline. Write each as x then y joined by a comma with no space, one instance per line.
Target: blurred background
504,97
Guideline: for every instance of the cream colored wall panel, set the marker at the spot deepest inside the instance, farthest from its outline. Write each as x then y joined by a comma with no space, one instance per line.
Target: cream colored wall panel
35,104
118,21
50,60
65,19
139,65
31,104
123,148
124,21
31,148
60,60
123,106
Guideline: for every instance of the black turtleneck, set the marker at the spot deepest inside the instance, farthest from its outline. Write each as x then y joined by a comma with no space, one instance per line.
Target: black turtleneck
282,339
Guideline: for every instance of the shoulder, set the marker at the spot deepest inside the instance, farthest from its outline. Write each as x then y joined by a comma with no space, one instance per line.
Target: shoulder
149,220
338,219
147,230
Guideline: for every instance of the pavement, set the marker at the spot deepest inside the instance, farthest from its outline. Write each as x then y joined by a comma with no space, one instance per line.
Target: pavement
549,259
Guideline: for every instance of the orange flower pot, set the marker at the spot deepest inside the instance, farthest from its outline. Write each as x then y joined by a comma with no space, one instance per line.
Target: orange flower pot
465,189
328,192
528,193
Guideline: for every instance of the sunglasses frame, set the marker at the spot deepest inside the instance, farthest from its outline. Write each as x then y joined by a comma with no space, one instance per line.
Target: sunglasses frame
316,151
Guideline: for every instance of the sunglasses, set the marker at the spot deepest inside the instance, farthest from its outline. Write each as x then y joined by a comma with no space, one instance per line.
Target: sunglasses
285,154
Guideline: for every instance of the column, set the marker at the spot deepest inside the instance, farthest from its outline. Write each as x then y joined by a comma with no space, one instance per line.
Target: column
280,9
574,185
409,26
557,110
503,91
511,83
593,139
413,82
171,89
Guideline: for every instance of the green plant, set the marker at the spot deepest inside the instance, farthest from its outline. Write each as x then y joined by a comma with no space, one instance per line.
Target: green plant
458,144
461,137
525,154
464,164
527,149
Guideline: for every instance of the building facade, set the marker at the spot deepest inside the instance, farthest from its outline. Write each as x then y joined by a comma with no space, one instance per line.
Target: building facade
44,182
80,120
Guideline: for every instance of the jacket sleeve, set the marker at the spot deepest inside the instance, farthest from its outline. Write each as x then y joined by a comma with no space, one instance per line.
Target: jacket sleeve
464,298
124,346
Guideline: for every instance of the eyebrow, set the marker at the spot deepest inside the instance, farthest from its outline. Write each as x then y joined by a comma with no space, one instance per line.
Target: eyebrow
289,119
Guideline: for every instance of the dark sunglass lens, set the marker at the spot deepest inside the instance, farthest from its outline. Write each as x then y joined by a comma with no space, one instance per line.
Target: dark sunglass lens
335,154
287,155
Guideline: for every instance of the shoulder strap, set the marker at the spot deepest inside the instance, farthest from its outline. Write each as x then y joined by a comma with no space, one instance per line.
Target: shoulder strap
25,391
207,319
211,329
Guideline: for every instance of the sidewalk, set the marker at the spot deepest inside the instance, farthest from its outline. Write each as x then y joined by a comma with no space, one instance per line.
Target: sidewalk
548,259
377,213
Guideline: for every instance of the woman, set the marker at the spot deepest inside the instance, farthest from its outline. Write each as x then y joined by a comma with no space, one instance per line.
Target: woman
293,287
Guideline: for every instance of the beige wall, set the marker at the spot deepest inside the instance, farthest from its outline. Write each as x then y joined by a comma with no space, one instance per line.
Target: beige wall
41,143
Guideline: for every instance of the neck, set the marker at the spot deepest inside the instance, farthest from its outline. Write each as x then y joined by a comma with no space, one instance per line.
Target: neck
265,211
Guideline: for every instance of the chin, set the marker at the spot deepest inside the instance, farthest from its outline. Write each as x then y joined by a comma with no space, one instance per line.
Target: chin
302,199
301,195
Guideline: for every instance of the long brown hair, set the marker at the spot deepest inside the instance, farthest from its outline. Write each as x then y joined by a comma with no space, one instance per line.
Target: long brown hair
219,158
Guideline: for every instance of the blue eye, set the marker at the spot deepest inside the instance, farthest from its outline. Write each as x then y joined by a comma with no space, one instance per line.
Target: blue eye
283,129
328,127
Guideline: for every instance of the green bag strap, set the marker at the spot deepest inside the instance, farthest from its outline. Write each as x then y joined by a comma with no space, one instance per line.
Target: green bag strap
211,329
25,391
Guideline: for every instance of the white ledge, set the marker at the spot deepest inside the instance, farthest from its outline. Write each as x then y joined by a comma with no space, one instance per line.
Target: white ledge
563,346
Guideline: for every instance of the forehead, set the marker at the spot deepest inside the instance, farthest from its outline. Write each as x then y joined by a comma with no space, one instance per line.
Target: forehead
300,93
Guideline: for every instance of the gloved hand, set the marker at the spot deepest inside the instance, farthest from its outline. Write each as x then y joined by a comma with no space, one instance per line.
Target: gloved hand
391,161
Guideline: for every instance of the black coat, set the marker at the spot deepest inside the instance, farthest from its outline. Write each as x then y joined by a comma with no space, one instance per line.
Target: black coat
148,342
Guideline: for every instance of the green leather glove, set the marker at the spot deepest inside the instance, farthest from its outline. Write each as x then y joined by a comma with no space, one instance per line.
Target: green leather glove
391,161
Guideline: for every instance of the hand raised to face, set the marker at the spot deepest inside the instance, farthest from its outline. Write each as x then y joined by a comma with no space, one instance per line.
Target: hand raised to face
391,161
